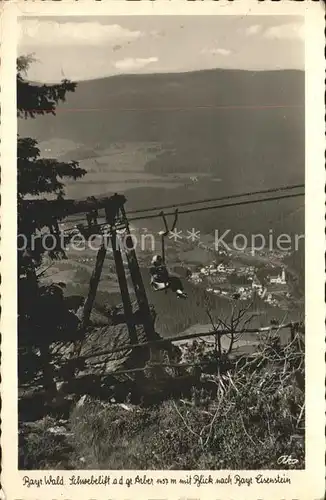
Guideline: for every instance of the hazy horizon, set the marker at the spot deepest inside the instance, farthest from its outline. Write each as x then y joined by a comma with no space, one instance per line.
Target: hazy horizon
83,49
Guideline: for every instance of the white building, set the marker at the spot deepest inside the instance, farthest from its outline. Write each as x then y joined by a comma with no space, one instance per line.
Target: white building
221,268
196,278
280,279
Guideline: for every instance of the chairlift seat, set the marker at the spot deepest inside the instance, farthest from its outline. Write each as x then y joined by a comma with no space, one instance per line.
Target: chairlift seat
158,286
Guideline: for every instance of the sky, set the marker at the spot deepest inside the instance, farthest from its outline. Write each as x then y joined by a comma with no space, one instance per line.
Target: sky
80,48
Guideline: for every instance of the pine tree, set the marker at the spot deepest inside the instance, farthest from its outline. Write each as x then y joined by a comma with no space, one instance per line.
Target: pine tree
39,315
36,176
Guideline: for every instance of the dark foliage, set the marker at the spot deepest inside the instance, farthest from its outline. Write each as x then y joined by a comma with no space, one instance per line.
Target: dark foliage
40,176
34,99
42,314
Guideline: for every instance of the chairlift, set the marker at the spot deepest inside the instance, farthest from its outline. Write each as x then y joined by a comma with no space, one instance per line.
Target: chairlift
160,279
163,234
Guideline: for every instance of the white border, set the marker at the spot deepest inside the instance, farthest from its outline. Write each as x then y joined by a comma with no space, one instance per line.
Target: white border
307,484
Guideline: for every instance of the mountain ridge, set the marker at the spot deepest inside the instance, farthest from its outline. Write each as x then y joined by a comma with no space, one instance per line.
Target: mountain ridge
172,73
247,148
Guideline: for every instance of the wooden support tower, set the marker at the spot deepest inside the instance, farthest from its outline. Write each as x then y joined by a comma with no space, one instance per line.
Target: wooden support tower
137,281
93,284
116,219
127,306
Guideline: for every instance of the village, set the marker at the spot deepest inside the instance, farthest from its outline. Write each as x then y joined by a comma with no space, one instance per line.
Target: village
233,280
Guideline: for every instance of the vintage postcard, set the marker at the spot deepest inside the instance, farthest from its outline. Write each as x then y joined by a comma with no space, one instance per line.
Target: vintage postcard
162,250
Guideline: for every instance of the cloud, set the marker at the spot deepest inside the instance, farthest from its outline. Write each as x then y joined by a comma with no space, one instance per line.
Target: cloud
254,29
281,32
157,33
285,31
52,33
129,64
217,52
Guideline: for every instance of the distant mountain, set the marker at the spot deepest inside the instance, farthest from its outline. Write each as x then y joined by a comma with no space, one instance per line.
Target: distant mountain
243,127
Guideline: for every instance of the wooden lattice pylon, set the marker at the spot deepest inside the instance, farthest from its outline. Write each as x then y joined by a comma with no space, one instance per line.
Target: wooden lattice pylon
117,220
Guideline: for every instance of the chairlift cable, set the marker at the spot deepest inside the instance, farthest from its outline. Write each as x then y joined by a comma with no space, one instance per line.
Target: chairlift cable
211,200
221,198
225,205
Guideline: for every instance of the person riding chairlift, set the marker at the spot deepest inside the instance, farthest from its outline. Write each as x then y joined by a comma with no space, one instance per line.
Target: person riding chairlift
161,280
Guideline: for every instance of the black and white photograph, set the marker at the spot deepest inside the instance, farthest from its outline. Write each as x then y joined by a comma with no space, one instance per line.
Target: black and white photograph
161,271
160,194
